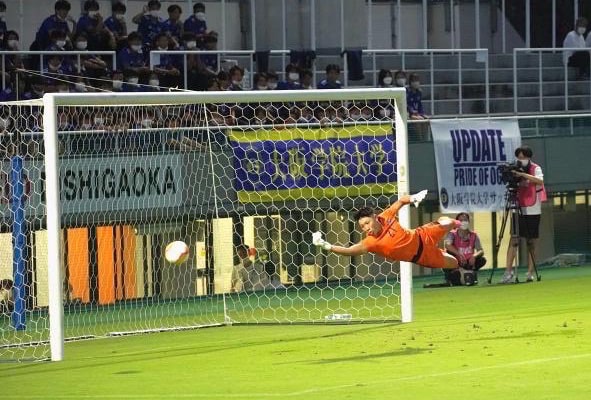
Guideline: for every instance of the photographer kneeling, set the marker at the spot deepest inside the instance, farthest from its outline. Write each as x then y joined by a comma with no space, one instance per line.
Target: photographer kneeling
465,246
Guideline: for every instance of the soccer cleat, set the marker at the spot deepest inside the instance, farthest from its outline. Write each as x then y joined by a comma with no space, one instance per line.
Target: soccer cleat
529,278
508,278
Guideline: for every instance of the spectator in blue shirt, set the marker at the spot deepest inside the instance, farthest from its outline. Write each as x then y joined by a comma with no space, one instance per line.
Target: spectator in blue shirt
91,23
132,56
210,60
149,22
306,79
173,27
131,84
196,23
166,68
292,77
11,42
331,81
116,24
414,98
3,28
57,22
91,65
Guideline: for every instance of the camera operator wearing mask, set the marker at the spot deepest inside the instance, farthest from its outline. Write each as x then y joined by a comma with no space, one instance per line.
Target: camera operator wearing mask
530,193
465,246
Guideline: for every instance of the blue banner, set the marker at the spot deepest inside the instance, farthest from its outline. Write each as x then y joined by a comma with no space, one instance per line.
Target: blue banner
314,163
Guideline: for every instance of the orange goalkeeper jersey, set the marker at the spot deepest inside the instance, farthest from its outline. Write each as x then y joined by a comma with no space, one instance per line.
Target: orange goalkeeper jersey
400,244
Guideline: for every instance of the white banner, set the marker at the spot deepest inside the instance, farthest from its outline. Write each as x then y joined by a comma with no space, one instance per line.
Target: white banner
468,154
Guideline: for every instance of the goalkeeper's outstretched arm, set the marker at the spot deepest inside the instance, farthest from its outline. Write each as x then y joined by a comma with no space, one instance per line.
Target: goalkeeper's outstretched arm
355,250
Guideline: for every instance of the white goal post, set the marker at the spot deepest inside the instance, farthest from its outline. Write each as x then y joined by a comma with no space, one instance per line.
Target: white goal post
226,187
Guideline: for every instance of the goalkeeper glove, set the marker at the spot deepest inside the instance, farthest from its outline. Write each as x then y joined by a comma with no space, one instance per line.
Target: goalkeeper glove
418,197
318,241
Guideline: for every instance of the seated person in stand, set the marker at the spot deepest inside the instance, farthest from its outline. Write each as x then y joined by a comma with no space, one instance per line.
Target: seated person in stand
465,246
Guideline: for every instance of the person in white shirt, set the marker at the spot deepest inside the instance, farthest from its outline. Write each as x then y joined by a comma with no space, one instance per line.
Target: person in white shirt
576,39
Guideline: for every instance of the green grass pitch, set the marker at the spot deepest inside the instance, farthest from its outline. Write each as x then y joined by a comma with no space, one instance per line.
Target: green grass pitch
525,341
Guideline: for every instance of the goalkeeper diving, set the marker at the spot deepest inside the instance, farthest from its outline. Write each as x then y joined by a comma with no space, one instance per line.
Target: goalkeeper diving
387,238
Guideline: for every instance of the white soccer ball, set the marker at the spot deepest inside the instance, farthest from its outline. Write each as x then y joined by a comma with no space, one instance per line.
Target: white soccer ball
176,252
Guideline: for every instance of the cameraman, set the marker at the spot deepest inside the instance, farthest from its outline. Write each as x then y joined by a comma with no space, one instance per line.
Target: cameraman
530,194
465,246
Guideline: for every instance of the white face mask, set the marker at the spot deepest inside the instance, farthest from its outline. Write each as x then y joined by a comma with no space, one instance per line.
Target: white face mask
117,84
581,30
120,17
401,81
80,87
293,76
81,45
162,48
60,43
55,67
3,123
86,126
355,116
191,44
236,83
465,225
200,16
98,121
13,43
387,80
136,47
384,112
524,163
262,87
93,14
155,13
147,123
133,80
272,85
154,82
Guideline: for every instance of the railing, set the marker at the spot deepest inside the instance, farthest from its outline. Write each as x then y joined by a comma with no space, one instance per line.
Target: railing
77,53
532,80
481,56
541,69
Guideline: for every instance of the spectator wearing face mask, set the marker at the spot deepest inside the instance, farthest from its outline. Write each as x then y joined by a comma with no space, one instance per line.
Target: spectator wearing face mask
464,245
116,24
576,39
197,24
132,56
272,79
91,23
11,42
292,77
149,22
56,22
400,79
260,82
91,65
236,77
131,83
385,79
414,98
166,68
117,81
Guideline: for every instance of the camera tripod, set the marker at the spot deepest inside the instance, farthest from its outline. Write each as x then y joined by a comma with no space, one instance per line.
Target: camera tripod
512,208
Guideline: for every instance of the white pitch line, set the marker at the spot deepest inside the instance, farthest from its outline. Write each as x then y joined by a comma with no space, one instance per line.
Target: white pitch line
306,391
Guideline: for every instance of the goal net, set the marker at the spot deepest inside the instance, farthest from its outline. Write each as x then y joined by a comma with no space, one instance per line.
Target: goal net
96,185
